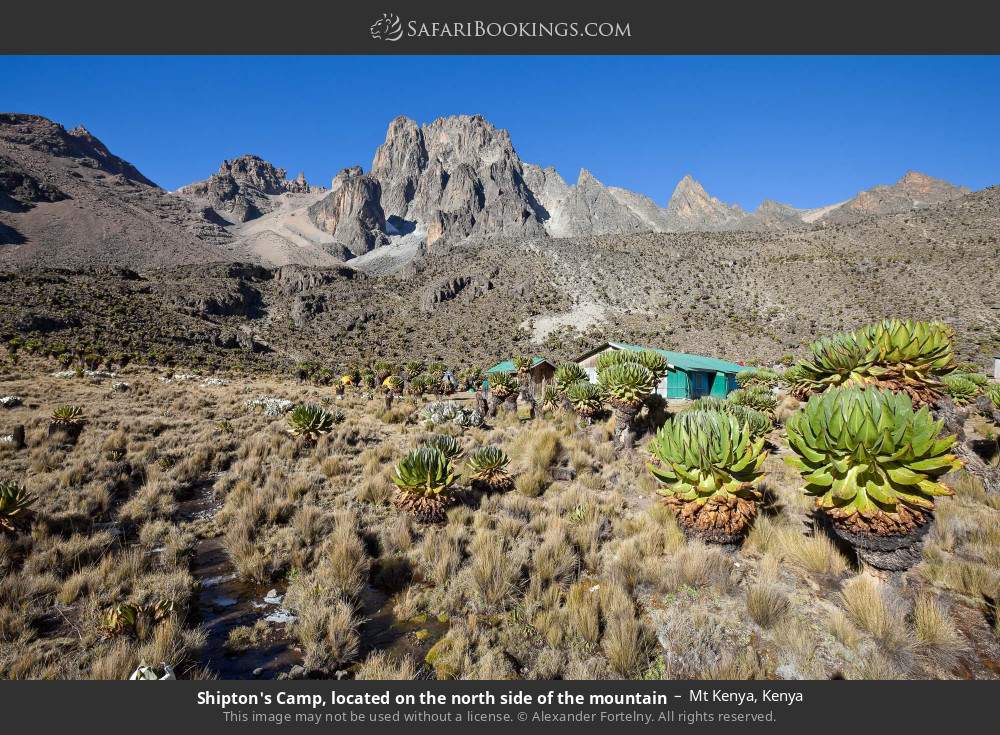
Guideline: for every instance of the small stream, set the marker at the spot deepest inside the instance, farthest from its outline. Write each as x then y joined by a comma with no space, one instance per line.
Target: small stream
383,631
224,602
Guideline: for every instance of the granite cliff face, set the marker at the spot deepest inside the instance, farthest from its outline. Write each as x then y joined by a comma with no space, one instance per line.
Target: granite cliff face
242,188
351,212
456,177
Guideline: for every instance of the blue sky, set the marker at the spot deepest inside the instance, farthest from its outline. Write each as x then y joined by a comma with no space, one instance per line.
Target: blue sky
804,130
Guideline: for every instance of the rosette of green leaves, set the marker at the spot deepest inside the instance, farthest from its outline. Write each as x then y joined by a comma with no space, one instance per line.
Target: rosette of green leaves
311,421
626,384
15,505
756,397
960,388
654,362
585,397
567,374
901,354
425,472
522,363
702,453
865,451
503,385
449,446
489,464
68,416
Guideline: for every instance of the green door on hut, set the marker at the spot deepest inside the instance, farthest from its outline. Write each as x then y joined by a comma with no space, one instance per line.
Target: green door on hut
677,384
695,384
722,384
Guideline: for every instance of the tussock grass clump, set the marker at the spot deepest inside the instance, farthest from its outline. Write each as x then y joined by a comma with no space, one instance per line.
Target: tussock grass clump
494,571
878,610
939,643
766,604
380,666
627,641
535,451
327,630
815,554
442,553
583,607
697,565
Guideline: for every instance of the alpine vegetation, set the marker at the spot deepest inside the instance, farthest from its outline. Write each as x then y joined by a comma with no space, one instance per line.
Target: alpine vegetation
907,356
875,466
425,481
708,466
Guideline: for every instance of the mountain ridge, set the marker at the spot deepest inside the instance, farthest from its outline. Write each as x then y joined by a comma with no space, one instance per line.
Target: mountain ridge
454,179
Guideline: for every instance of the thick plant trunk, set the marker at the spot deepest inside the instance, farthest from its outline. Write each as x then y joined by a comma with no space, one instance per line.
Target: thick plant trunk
717,521
525,408
625,430
482,405
885,553
954,423
388,401
68,434
525,403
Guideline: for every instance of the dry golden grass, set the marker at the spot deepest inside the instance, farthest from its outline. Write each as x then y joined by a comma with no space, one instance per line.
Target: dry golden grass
815,554
380,666
587,577
938,640
877,609
766,604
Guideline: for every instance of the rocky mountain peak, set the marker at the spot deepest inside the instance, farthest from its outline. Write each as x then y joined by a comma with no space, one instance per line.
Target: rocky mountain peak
66,199
689,186
456,176
692,208
253,171
49,138
921,185
242,187
587,179
914,190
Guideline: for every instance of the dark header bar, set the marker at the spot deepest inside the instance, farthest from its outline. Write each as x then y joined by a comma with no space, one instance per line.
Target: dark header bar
511,27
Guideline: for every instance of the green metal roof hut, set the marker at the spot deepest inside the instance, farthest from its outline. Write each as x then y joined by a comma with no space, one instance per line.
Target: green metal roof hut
541,370
689,376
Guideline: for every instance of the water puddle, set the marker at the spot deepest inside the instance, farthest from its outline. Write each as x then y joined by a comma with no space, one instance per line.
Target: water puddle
225,603
383,631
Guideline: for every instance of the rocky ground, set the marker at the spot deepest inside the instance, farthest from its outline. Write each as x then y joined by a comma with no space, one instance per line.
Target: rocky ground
481,301
277,558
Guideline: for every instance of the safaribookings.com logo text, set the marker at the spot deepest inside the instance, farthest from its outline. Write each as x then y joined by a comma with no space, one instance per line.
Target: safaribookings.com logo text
390,28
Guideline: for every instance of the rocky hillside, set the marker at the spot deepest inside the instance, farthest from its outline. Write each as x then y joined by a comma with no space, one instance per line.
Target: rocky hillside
750,295
66,200
460,178
913,191
243,188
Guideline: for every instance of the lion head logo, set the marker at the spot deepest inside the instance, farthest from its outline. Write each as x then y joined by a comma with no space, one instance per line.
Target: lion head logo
387,28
